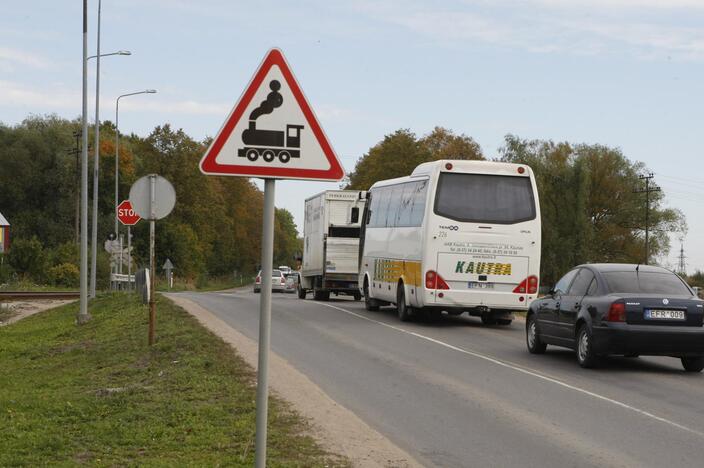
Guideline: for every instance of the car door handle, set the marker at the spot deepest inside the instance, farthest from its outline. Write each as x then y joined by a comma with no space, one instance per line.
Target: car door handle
576,305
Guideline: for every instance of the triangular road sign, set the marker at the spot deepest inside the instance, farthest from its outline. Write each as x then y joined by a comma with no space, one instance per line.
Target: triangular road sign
272,132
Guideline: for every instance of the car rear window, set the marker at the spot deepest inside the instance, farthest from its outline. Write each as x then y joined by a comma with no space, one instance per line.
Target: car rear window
276,273
485,198
645,282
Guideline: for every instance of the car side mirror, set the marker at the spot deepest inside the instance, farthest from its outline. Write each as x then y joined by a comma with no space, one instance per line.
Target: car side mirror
552,292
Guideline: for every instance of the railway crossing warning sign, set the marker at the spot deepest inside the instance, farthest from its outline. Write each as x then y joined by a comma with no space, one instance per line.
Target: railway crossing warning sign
272,132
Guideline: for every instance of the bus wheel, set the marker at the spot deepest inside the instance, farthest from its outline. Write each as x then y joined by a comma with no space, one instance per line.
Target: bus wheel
268,155
370,304
252,154
357,296
504,321
404,311
284,156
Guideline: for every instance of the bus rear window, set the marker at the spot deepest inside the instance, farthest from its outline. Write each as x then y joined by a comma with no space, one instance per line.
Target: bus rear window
485,198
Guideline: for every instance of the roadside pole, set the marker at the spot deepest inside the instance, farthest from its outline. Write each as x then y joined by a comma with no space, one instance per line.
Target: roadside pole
129,258
265,322
152,260
83,315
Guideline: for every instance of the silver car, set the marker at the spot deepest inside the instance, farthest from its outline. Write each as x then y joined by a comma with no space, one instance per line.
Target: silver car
278,281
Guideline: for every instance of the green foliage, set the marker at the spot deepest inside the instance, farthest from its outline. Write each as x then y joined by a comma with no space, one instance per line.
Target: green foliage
400,152
6,271
590,210
27,257
65,274
214,229
99,395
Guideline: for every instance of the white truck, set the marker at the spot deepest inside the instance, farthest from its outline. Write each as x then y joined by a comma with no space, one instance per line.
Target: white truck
331,244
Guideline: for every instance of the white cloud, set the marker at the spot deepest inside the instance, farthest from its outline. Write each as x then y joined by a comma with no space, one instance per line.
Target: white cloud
22,57
545,26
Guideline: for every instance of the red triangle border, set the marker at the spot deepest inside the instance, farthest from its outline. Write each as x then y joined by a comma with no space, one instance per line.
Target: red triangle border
209,165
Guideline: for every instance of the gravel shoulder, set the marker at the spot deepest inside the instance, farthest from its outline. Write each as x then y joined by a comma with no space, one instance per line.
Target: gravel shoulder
334,426
14,311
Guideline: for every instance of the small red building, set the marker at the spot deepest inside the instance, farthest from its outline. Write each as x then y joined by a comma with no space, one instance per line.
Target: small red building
4,235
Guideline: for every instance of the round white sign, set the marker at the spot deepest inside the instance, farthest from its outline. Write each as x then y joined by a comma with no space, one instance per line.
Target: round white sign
152,197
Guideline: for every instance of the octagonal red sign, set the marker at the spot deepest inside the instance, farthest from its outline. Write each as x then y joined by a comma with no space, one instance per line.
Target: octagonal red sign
126,214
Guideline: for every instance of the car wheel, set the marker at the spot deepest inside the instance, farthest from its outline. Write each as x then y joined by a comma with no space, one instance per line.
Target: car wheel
404,311
693,364
370,304
585,348
487,319
533,341
301,293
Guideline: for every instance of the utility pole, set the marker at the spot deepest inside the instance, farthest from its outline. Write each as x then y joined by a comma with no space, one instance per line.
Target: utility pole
77,152
649,188
682,266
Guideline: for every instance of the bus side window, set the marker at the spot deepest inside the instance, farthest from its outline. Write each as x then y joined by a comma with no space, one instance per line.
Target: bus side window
354,215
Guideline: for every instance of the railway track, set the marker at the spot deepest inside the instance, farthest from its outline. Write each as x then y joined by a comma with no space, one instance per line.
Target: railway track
28,295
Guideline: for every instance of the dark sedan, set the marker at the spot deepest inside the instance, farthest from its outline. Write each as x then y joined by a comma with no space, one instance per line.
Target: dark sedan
630,310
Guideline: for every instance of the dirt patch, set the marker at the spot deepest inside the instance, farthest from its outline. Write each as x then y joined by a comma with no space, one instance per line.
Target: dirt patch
334,426
12,311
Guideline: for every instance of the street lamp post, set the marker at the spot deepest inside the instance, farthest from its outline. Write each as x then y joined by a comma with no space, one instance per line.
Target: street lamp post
117,139
96,162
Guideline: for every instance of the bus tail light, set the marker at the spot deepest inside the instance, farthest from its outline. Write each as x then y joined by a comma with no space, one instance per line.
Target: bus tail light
435,281
617,312
527,286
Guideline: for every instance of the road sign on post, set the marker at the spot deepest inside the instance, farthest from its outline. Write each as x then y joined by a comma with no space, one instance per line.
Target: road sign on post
126,214
271,133
152,197
168,267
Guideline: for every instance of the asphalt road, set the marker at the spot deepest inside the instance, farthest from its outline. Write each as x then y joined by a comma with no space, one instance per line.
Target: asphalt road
456,393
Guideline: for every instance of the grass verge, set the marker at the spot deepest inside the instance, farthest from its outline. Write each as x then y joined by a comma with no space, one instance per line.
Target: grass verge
98,395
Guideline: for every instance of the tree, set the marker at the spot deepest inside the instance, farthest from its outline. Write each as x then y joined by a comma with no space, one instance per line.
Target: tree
590,210
400,152
27,258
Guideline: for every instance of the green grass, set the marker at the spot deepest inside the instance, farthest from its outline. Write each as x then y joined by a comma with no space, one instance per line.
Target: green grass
98,395
27,285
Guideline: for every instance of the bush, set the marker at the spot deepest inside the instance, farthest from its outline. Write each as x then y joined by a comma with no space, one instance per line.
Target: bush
27,258
6,271
65,274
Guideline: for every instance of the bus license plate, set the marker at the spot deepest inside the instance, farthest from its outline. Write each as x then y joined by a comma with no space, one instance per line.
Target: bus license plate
662,314
477,285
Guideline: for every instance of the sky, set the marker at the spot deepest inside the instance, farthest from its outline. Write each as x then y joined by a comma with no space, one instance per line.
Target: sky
623,73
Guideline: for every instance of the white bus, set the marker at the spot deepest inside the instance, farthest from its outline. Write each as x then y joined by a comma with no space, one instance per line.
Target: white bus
454,236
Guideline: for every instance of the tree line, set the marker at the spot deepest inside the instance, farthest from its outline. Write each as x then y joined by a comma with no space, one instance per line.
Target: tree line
214,229
590,205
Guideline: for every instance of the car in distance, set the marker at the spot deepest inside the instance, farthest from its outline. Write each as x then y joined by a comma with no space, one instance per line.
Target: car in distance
622,309
278,281
292,281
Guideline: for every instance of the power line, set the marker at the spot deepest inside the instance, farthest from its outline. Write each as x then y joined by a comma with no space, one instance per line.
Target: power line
647,190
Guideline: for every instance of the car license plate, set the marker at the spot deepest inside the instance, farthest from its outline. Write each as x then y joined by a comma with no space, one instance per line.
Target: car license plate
663,314
477,285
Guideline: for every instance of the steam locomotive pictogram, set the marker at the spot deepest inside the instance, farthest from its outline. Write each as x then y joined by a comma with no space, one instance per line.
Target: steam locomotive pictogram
270,144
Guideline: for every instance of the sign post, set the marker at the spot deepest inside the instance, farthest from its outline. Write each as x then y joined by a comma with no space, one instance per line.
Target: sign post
152,198
127,216
271,133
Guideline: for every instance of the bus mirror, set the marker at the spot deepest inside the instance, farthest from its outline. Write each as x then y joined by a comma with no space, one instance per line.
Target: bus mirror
363,194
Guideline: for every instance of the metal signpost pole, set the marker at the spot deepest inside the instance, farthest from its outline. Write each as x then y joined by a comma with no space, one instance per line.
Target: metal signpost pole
96,163
265,322
129,258
83,316
152,260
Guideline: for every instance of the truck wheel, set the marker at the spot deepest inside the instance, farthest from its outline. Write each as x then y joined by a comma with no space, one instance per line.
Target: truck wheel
321,295
301,293
693,364
357,296
370,304
487,319
404,311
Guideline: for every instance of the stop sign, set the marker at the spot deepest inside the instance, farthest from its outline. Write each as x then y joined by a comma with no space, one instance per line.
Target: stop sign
126,214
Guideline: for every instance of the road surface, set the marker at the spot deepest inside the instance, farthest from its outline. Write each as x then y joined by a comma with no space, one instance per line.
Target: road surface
456,393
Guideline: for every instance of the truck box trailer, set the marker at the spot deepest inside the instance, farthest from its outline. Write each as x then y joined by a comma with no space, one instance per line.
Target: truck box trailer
331,244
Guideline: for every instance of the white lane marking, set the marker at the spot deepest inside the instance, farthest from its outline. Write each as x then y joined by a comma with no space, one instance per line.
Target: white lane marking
527,371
